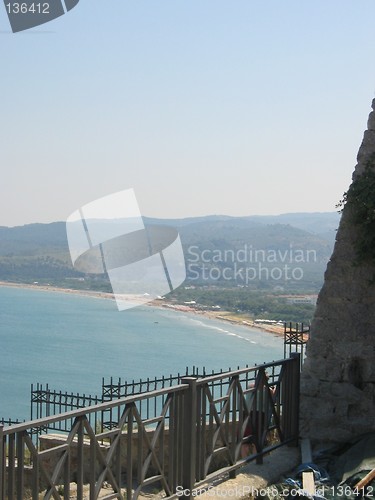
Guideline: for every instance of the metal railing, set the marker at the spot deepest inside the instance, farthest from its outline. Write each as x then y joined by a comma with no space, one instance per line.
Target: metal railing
9,421
296,336
200,431
45,401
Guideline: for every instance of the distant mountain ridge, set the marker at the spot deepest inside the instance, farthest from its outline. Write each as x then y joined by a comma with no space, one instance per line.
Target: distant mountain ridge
37,252
312,222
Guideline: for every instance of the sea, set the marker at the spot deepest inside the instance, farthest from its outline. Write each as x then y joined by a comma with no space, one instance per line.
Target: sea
71,341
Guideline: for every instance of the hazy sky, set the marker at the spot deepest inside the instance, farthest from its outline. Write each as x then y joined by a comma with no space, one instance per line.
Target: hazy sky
234,107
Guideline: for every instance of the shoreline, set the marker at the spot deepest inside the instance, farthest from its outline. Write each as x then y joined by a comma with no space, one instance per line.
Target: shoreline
51,288
222,315
227,316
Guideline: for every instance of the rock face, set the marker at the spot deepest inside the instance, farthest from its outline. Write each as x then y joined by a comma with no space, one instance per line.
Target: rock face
338,377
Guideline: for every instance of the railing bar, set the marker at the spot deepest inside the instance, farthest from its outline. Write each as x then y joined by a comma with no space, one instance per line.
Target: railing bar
61,447
20,466
155,420
108,434
35,479
66,477
80,461
179,438
204,431
111,496
92,467
161,455
198,419
230,374
140,453
117,472
2,463
151,480
129,476
234,419
11,464
220,400
171,445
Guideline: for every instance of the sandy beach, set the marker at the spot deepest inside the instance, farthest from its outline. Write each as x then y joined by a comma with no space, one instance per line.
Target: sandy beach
221,315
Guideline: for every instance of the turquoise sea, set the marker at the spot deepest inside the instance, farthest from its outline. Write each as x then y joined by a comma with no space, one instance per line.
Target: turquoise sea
71,341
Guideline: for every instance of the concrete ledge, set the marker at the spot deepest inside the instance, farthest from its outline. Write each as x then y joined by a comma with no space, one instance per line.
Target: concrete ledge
253,477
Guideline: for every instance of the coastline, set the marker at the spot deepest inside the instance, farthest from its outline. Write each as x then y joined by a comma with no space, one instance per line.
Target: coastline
51,288
226,316
221,315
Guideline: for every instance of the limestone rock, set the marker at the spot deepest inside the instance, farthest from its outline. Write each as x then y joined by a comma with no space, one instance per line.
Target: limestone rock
338,377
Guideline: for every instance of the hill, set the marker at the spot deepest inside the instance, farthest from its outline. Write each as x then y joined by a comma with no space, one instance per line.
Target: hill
216,248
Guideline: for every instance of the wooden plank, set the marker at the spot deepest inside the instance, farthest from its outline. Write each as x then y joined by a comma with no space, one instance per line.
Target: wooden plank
306,455
308,484
365,481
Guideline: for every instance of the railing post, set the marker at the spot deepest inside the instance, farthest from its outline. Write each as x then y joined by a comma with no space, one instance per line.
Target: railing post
190,436
234,427
296,393
290,400
2,464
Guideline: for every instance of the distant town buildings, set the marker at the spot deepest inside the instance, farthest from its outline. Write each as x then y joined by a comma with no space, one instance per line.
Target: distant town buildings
302,299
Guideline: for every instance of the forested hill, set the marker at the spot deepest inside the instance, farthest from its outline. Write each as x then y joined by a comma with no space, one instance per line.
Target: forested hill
39,252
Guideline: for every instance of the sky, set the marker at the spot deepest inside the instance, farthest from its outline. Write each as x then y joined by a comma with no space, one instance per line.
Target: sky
235,107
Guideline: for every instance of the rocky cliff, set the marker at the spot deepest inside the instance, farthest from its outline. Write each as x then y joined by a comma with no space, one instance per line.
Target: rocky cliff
338,377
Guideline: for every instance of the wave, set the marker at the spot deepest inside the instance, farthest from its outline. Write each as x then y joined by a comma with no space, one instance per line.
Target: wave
207,325
203,324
